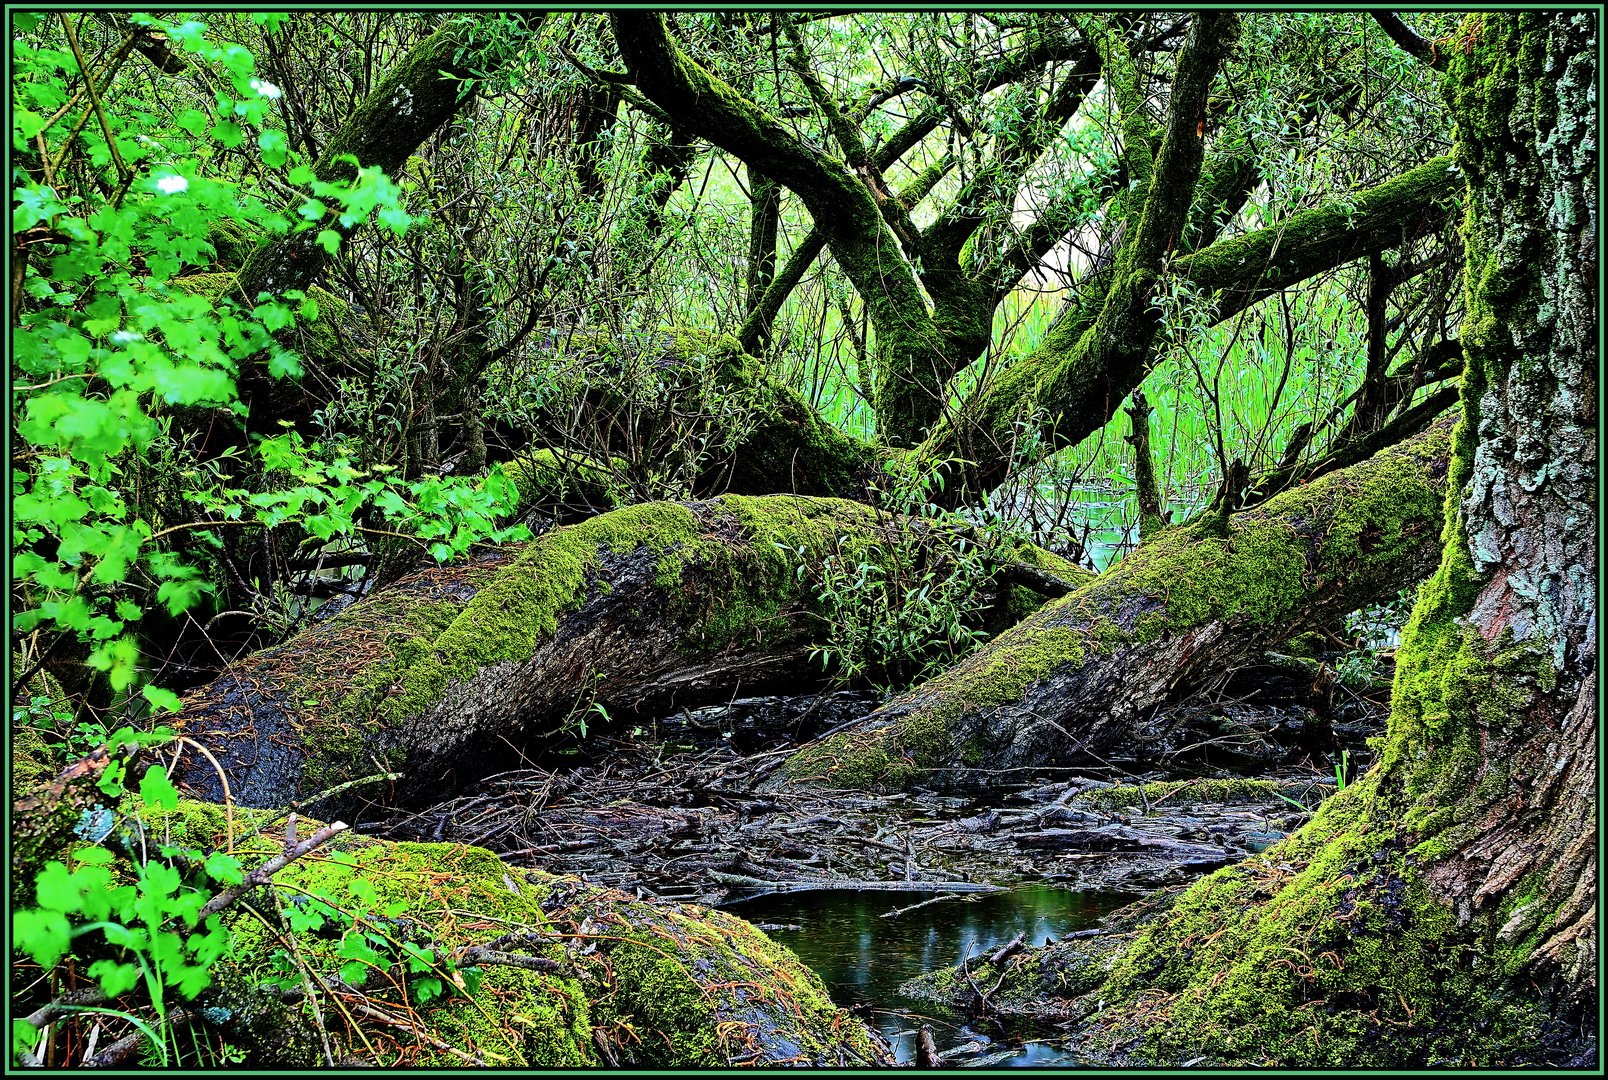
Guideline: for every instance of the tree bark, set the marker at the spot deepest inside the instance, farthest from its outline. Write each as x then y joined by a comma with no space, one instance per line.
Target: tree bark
654,606
1084,673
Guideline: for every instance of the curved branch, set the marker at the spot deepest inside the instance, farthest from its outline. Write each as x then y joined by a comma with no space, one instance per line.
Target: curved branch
1409,39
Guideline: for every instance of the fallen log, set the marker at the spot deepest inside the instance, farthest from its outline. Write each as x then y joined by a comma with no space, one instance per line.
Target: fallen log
451,671
1086,672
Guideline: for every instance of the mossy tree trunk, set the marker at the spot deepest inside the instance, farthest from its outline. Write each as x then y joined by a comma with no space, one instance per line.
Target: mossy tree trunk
1442,910
1081,675
648,607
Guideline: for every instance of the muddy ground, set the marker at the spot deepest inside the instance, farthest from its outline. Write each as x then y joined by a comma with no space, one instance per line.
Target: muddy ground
685,808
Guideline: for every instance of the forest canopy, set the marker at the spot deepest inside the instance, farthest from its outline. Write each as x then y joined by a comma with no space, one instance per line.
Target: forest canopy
402,403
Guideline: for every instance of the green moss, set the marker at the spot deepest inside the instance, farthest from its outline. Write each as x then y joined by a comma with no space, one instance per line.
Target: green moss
1175,793
454,896
690,1027
1324,951
1339,947
548,481
928,735
670,985
519,608
1360,525
232,243
1305,243
336,710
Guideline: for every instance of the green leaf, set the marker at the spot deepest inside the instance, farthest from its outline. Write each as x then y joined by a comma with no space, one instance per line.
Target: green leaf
274,316
426,990
329,240
115,978
303,920
224,868
227,134
165,700
24,1036
57,889
26,124
189,979
192,120
119,659
157,790
275,148
419,959
45,936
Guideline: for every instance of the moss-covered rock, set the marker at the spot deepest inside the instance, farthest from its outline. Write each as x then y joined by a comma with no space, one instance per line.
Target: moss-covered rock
609,979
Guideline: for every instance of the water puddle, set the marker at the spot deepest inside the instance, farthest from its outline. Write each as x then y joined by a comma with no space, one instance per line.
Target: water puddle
863,957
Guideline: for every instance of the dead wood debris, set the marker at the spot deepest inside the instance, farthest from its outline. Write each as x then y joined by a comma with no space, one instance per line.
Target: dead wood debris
691,827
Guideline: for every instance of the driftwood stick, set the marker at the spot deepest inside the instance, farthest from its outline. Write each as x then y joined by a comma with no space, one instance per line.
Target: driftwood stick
924,903
927,1050
1008,950
861,886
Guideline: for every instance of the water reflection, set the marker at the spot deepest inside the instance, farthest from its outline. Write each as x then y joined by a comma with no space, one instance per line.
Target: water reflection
863,957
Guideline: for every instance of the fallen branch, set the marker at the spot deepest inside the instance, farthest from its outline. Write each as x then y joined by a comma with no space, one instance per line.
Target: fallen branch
267,870
857,886
924,903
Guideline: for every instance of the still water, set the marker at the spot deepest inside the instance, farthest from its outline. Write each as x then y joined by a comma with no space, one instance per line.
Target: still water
863,957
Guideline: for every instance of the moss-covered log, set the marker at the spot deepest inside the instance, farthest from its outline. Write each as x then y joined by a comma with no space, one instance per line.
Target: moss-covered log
1085,672
650,606
468,960
1442,911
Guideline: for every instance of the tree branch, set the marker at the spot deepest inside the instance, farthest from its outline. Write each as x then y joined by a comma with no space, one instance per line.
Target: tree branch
1409,39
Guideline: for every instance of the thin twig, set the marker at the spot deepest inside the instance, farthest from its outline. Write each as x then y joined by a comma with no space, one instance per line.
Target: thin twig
267,870
302,804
